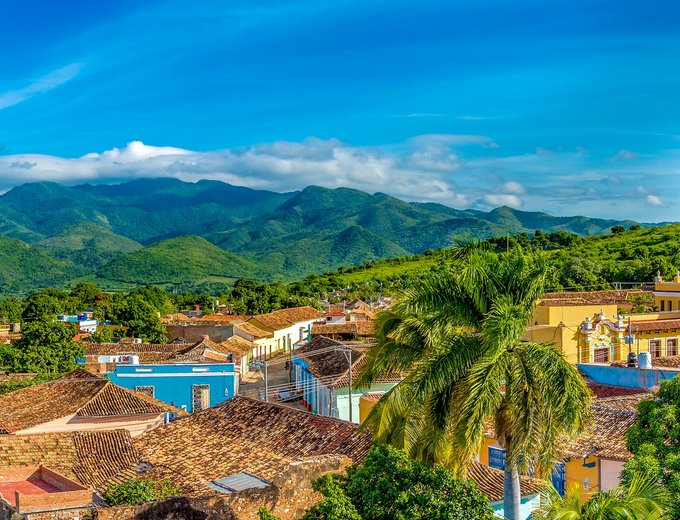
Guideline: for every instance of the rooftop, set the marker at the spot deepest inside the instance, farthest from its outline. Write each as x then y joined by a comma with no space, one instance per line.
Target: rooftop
245,435
90,458
618,297
285,318
490,482
78,393
253,330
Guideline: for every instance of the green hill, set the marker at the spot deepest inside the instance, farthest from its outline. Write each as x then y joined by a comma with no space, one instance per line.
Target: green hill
87,246
24,268
586,263
187,259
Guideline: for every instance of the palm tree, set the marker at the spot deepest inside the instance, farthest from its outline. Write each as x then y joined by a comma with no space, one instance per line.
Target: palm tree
643,499
458,336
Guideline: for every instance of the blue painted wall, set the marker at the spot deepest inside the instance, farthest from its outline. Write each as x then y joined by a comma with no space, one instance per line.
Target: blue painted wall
627,377
173,383
527,505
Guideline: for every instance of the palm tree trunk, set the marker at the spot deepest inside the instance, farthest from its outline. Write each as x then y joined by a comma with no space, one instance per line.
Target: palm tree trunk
511,494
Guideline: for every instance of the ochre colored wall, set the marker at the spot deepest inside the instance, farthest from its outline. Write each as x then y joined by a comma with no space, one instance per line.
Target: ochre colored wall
576,472
366,404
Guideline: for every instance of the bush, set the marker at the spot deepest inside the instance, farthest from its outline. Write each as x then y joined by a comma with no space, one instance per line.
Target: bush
137,491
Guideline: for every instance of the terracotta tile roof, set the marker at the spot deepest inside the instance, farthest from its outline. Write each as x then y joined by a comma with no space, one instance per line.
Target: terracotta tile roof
606,436
147,352
237,345
248,435
332,363
285,318
591,297
656,325
490,482
354,328
225,318
254,330
78,393
91,458
335,314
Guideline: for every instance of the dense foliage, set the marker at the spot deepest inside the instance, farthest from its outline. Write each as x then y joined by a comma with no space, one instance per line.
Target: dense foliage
137,491
16,384
391,486
44,348
655,442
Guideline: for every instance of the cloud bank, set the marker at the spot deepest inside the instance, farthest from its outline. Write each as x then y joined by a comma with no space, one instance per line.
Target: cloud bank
463,171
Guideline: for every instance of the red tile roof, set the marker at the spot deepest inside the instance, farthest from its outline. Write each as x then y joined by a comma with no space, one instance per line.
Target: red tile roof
91,458
79,393
621,296
490,482
245,435
656,325
285,318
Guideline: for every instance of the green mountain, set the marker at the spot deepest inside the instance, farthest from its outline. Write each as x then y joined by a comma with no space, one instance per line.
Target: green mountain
252,233
87,246
24,268
180,260
145,210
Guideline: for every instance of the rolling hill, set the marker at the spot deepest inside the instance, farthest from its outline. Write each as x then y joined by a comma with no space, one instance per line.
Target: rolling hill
169,231
24,268
179,260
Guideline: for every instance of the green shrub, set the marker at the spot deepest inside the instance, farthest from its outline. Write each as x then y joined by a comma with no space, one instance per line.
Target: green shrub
137,491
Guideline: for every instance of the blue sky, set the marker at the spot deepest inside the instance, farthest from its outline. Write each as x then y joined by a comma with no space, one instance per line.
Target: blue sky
566,107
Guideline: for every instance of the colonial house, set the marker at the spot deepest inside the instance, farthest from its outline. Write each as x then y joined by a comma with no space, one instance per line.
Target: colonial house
263,340
599,327
322,377
332,317
347,331
80,401
288,327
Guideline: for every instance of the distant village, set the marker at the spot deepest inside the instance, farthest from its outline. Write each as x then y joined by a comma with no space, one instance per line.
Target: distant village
236,412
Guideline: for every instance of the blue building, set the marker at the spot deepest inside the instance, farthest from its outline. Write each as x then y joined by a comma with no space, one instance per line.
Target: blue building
192,387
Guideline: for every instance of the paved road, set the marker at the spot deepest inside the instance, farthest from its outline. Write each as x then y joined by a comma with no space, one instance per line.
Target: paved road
252,384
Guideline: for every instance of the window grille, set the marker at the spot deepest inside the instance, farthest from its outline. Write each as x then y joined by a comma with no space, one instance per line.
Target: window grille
148,390
497,458
200,397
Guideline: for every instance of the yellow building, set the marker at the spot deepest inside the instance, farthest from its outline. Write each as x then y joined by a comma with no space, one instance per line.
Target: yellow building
589,327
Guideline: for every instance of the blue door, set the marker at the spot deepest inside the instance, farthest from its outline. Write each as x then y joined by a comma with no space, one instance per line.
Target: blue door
559,480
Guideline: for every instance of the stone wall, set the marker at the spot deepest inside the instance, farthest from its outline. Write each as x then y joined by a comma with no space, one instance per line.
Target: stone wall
288,497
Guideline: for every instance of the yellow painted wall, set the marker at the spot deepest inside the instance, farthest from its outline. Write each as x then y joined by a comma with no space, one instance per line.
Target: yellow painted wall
366,404
576,472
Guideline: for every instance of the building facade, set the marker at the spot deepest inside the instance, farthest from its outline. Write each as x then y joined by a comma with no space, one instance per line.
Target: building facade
190,387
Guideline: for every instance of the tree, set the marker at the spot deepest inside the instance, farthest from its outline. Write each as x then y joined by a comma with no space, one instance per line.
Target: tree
641,499
458,335
654,441
635,227
140,318
42,306
618,229
44,348
391,486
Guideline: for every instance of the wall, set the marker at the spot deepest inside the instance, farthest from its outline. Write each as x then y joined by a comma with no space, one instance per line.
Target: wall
193,333
528,504
135,424
173,382
610,473
341,400
576,472
627,377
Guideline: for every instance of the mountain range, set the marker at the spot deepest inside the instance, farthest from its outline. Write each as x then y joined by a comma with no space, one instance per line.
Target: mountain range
166,231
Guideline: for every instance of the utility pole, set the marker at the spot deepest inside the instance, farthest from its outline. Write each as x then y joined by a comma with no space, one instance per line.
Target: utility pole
262,366
348,356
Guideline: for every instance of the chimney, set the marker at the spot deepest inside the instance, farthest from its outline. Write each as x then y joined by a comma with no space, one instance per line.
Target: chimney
197,308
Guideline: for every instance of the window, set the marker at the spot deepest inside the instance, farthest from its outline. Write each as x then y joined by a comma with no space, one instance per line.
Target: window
200,397
559,480
672,347
148,390
497,458
670,305
655,348
601,355
663,305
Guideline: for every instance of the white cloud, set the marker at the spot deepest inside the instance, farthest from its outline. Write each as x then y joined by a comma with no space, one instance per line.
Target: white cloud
503,200
44,84
513,188
653,200
624,155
